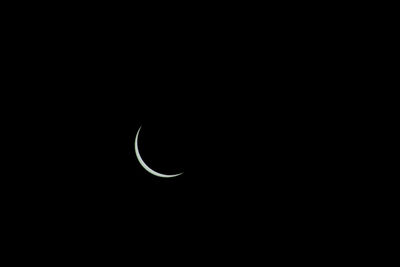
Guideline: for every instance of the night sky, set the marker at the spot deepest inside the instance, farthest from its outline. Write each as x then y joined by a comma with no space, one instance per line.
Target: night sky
245,112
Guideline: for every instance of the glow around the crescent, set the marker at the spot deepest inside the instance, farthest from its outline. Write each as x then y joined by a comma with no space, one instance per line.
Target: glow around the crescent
147,168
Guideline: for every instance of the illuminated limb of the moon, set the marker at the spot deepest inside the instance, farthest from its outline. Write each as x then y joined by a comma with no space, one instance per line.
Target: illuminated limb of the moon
144,165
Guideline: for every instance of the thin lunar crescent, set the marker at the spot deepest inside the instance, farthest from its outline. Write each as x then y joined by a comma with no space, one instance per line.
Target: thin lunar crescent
144,165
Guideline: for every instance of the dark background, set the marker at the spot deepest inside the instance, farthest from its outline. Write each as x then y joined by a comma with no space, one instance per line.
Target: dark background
222,110
228,106
246,106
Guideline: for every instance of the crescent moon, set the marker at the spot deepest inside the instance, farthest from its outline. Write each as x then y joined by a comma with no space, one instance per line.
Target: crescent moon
144,165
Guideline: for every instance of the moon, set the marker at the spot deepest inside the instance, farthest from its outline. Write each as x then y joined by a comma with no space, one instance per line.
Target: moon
144,165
